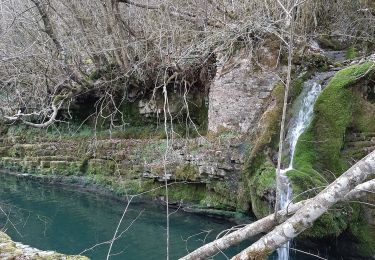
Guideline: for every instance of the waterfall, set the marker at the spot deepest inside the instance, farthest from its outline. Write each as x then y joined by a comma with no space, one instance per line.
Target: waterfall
299,123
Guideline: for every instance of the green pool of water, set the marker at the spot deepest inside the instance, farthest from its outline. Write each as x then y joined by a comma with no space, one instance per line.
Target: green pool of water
73,222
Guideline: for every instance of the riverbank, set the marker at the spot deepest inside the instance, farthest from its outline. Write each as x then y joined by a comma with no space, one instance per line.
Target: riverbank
84,184
10,250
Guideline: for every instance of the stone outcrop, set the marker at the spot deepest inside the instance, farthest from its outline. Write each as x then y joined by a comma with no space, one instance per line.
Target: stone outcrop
211,166
10,250
238,93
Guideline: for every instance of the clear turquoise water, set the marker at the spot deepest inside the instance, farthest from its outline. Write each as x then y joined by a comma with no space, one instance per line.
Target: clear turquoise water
70,221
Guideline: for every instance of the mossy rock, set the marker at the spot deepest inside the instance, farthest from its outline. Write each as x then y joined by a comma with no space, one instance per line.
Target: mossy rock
330,224
262,189
11,163
59,167
101,167
318,158
321,144
187,172
29,166
178,192
211,199
17,151
186,192
270,125
331,42
220,195
45,164
4,151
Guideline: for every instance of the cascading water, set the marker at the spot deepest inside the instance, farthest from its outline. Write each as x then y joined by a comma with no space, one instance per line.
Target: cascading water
299,123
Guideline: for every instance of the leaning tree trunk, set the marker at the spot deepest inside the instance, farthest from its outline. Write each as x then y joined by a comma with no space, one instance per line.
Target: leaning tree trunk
306,216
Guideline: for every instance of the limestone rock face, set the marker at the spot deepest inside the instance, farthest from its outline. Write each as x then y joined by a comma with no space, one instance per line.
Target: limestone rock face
238,94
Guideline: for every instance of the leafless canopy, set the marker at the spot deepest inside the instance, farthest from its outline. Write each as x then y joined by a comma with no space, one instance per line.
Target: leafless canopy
53,50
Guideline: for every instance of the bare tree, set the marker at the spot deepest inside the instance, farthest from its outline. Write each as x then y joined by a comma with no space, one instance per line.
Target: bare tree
52,51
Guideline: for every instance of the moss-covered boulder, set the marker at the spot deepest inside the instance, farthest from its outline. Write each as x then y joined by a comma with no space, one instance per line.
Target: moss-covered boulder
341,109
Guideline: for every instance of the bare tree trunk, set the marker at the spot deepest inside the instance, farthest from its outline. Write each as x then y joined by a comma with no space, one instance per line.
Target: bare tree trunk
308,214
286,93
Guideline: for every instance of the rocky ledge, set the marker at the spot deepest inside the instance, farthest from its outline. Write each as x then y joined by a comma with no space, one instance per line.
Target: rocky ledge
10,250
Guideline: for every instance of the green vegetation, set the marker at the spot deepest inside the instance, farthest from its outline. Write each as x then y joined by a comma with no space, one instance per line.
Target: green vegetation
330,224
351,53
264,178
64,131
320,146
101,167
365,236
262,188
187,172
364,111
259,169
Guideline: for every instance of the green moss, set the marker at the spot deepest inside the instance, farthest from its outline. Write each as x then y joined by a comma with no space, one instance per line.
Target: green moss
63,168
122,187
320,146
305,155
215,200
332,223
365,235
270,125
258,169
351,53
219,196
186,192
264,178
193,193
296,86
30,166
262,187
101,167
364,111
187,172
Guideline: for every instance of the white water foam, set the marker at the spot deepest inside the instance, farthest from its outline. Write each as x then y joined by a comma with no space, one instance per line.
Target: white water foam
298,125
